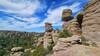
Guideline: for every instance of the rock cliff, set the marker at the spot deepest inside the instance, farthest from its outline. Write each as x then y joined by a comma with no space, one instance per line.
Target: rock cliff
90,26
91,21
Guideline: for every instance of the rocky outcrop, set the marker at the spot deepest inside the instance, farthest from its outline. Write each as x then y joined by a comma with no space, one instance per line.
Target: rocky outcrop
64,43
17,51
72,27
48,39
55,35
91,22
69,24
72,46
78,50
90,25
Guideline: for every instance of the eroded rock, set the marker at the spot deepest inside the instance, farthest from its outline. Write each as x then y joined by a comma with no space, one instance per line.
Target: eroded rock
91,22
78,50
17,51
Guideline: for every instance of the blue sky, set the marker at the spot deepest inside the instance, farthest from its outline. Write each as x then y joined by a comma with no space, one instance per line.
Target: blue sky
30,15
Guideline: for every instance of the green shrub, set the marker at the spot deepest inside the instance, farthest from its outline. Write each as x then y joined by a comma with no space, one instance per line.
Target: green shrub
64,34
39,51
2,52
87,42
84,41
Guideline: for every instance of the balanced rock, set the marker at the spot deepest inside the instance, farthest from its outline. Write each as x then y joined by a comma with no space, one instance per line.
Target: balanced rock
67,15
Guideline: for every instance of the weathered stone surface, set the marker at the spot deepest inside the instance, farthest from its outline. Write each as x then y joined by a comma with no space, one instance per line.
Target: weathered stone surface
17,51
78,50
91,21
55,35
64,43
72,26
47,39
17,54
71,47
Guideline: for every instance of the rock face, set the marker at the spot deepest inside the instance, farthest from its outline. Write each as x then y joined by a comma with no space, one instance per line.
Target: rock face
47,40
55,35
73,27
64,43
17,51
78,50
91,21
90,25
72,47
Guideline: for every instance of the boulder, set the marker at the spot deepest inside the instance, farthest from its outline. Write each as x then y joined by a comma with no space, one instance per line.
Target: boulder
67,15
17,51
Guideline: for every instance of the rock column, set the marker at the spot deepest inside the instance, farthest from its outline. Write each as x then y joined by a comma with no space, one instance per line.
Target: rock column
48,35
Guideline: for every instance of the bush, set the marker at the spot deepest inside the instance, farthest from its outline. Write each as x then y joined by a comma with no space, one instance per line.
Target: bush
64,34
87,42
2,52
84,41
39,51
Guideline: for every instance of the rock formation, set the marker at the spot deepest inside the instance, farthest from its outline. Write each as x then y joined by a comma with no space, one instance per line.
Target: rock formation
47,39
70,24
55,36
17,51
78,50
91,21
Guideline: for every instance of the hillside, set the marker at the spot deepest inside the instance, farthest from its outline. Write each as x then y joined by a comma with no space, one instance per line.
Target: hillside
10,39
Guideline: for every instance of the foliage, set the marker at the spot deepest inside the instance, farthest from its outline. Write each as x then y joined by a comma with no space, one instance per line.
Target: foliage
9,40
80,19
64,34
39,51
84,41
87,42
2,52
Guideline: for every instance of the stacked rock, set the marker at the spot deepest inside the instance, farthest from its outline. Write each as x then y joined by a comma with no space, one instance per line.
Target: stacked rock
70,24
48,35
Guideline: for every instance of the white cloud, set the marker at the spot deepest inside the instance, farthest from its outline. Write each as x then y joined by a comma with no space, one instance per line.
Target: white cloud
25,8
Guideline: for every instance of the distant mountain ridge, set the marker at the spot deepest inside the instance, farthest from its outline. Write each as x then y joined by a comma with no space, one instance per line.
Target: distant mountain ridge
8,33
